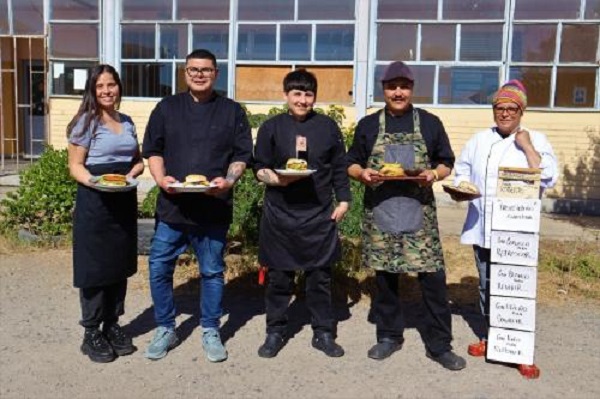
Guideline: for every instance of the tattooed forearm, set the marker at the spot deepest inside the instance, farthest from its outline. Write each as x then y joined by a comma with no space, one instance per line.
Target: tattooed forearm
268,177
235,171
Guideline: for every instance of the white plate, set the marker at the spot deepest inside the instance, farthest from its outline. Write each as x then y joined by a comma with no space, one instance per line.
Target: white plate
131,185
180,188
294,172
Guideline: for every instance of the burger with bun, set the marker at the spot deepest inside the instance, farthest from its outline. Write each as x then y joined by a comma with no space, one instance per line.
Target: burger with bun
113,180
195,181
392,169
296,164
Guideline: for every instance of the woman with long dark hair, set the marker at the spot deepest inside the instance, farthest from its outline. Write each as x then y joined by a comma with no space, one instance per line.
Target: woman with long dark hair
102,141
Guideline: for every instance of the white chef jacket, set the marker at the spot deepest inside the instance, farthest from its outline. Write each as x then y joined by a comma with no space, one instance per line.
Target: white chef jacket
478,163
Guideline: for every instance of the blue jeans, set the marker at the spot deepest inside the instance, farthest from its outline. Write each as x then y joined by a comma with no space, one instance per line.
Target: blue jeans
482,260
168,243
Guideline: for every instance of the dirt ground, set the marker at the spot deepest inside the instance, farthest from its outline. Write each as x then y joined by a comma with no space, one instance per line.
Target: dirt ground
40,357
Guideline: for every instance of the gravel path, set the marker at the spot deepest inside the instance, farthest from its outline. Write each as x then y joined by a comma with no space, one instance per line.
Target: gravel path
40,358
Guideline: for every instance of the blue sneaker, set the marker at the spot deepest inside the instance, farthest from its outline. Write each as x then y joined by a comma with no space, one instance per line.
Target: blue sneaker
164,339
211,342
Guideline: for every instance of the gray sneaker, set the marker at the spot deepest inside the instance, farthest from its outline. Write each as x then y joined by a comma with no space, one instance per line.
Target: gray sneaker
164,339
211,342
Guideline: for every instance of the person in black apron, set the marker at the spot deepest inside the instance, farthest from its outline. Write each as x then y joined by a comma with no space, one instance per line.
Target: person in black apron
400,232
102,141
298,229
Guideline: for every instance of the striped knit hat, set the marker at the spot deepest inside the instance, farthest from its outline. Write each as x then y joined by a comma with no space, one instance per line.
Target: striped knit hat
512,91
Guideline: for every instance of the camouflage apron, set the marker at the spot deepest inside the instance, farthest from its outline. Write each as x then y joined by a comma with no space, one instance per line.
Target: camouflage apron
400,231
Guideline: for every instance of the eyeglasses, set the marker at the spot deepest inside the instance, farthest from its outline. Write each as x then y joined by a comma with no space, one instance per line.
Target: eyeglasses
509,110
193,71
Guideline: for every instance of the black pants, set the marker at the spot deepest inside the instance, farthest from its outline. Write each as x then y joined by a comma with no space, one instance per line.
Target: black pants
102,304
389,317
318,299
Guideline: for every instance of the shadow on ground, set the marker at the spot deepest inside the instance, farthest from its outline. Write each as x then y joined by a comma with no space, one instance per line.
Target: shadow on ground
244,300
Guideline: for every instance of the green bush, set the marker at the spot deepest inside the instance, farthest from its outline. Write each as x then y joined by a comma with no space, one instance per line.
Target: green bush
43,203
148,205
247,200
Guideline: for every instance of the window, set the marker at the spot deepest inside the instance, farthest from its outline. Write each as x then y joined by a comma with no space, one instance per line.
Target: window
407,9
335,43
137,41
579,43
265,10
74,9
173,41
69,77
4,26
256,42
438,42
28,17
147,79
397,49
534,43
543,53
474,9
326,10
74,40
202,10
481,42
575,87
147,9
467,85
295,42
543,9
213,37
74,43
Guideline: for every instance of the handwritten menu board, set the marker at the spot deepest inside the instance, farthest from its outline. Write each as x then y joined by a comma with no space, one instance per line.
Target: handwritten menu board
518,183
511,346
516,214
515,225
511,280
509,312
514,248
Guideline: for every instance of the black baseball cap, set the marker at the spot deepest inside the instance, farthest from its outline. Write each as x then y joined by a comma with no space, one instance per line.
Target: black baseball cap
396,70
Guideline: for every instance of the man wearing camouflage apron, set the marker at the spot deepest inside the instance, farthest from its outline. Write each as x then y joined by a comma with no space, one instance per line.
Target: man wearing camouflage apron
400,232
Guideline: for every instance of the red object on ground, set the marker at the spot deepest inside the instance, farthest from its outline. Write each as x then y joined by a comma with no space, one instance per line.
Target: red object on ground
262,272
478,349
531,372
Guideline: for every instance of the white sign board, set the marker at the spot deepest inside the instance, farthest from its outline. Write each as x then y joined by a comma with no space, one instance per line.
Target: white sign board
514,248
510,346
513,281
516,214
517,313
79,79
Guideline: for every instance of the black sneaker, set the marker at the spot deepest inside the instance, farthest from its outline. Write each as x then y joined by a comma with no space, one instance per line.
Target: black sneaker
384,348
326,344
449,360
273,344
97,347
119,340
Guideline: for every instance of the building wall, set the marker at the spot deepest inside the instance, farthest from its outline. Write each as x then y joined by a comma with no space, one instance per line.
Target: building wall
575,137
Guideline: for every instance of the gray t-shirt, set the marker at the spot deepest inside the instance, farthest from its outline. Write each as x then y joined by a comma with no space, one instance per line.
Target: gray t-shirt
106,146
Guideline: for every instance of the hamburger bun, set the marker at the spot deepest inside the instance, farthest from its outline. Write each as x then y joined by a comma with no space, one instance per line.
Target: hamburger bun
392,169
112,179
468,187
195,180
296,164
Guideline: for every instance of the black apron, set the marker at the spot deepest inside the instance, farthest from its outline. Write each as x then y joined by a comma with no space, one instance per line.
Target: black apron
104,232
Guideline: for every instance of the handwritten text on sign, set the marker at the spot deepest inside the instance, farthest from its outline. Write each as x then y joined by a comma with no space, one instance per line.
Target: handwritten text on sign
514,248
517,313
510,346
514,281
516,214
